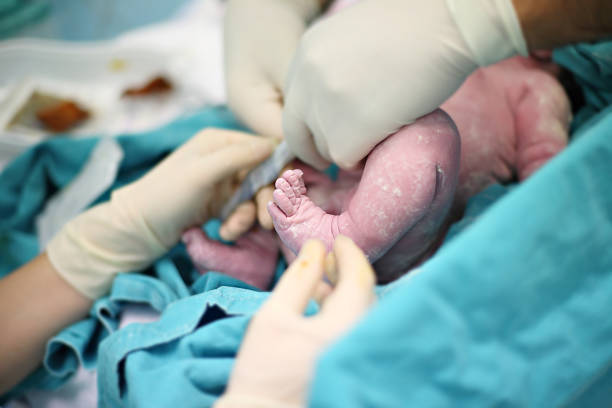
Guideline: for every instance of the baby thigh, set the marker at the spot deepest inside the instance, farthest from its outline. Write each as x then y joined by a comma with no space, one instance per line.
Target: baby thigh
407,187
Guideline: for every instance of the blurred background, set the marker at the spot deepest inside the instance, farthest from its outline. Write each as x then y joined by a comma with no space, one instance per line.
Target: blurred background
104,68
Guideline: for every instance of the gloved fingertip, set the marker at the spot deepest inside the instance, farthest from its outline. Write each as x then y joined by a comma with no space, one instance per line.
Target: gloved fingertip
330,268
318,163
264,218
226,233
343,240
348,164
312,247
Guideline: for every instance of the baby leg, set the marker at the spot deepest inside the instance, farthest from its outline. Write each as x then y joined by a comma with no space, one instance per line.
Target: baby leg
252,259
401,180
542,117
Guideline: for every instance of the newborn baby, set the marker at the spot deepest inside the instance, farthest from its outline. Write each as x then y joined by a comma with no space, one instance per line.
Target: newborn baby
510,119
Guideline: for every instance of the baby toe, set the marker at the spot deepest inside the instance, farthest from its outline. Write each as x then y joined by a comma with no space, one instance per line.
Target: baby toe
279,218
283,202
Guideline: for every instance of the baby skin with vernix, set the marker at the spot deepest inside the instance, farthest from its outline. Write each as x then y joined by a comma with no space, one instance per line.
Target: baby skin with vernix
406,189
504,123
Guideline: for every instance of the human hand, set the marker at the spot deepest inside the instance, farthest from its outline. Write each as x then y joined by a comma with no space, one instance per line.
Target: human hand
348,89
244,216
260,38
146,218
276,361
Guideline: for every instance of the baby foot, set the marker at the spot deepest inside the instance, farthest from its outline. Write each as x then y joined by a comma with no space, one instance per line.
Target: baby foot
290,190
252,259
296,218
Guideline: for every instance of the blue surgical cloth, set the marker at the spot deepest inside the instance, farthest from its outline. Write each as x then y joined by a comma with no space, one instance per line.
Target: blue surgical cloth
513,311
33,177
81,20
591,65
15,14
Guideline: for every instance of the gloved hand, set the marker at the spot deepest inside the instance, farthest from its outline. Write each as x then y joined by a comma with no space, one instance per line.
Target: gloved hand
244,216
260,38
146,218
276,360
363,73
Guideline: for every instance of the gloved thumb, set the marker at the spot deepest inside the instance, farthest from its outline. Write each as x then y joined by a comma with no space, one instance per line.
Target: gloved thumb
229,159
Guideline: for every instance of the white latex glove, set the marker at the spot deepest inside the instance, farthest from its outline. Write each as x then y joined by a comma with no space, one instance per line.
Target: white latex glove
145,219
243,218
361,74
276,361
261,36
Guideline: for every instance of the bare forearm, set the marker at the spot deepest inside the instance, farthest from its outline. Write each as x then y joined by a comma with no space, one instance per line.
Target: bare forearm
35,304
551,23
